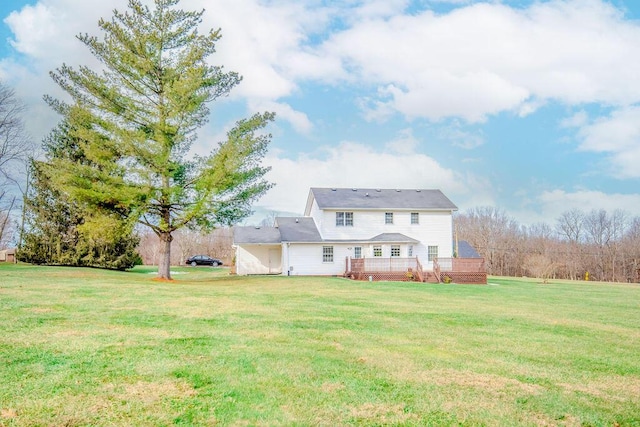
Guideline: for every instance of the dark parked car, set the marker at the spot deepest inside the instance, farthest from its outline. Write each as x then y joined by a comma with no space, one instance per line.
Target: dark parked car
203,260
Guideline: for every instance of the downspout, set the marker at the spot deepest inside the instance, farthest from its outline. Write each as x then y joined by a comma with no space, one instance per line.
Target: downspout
288,266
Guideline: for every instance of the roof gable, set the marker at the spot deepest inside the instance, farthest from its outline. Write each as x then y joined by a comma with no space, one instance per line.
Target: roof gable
368,198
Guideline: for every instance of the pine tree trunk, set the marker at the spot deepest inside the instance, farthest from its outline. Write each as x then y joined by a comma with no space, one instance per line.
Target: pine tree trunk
164,264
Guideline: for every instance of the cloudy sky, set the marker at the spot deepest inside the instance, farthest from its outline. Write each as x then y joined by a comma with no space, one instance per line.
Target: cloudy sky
529,106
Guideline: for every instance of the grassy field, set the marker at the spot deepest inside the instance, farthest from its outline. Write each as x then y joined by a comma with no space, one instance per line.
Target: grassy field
91,347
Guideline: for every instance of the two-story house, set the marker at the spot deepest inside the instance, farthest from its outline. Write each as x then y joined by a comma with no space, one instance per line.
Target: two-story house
350,223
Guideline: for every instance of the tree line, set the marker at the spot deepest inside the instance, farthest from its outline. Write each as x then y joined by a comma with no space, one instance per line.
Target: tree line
595,244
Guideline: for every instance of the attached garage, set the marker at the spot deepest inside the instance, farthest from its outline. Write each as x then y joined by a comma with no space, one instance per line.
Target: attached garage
258,250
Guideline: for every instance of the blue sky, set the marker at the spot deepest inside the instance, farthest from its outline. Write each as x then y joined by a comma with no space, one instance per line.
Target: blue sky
528,106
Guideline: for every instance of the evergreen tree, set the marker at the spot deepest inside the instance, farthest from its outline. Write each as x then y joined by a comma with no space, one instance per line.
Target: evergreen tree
61,231
137,117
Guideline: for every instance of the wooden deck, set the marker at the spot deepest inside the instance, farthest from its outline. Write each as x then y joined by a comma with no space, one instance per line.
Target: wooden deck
461,270
446,270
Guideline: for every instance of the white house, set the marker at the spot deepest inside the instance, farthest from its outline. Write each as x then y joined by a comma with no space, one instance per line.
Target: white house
341,223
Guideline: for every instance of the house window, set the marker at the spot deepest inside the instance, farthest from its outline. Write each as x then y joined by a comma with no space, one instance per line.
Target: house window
432,253
395,250
415,218
388,218
357,252
410,250
377,251
344,219
327,254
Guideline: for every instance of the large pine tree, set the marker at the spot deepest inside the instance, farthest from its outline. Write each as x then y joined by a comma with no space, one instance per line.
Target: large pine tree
137,117
61,231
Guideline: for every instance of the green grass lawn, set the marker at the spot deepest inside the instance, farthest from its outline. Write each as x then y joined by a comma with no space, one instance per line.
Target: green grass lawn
92,347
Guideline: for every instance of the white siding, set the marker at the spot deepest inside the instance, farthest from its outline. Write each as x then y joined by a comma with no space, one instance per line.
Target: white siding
306,259
258,259
316,214
435,228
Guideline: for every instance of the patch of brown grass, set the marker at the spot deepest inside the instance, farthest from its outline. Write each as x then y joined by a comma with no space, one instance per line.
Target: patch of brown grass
8,413
331,387
378,413
150,393
614,387
490,383
41,310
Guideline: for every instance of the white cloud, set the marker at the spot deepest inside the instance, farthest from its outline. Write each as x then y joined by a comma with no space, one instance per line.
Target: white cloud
33,26
461,138
576,120
46,31
372,9
547,206
265,43
617,135
404,143
487,58
297,119
475,61
553,203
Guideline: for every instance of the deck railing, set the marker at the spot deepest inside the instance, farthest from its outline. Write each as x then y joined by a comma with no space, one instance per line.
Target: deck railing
460,270
394,264
463,265
419,270
381,268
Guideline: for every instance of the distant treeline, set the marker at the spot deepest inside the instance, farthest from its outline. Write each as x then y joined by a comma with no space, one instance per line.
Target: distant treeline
599,244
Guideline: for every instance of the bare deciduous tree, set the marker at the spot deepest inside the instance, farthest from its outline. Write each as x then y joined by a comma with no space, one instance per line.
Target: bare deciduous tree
5,217
570,225
14,149
13,143
496,236
570,228
540,266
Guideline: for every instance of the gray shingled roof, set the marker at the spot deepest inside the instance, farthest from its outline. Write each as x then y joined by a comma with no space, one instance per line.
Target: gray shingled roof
371,198
248,235
465,250
393,237
298,229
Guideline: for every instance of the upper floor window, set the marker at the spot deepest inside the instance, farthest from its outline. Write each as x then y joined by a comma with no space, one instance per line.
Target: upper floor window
395,250
344,219
415,218
432,253
377,251
388,218
327,254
